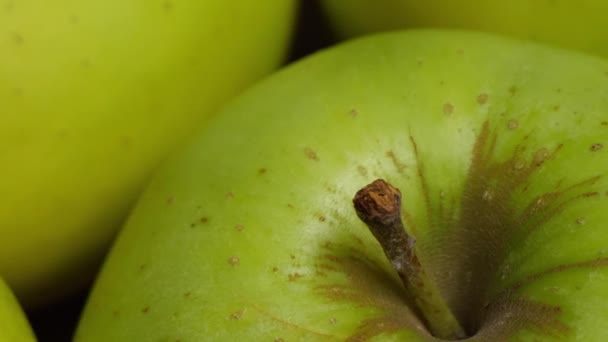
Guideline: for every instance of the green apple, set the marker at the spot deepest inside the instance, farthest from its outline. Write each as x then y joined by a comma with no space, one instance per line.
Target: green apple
94,94
578,24
498,147
13,324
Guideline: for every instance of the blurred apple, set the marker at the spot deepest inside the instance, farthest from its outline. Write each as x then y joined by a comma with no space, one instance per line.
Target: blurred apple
578,24
13,324
498,147
94,94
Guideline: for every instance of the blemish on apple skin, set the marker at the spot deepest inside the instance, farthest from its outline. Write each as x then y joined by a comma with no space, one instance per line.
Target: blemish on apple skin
229,195
18,39
234,261
541,156
204,219
353,113
239,227
556,108
85,63
311,154
167,6
596,147
512,90
482,98
187,294
262,171
604,123
275,269
145,310
169,200
591,194
448,108
126,141
294,276
73,19
321,218
237,315
513,124
278,339
580,220
395,161
362,170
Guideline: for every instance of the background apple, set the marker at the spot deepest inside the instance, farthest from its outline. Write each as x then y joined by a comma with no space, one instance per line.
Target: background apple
497,145
13,324
578,24
94,95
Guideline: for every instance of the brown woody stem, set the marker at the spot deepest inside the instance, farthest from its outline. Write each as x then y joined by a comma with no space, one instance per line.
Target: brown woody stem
379,206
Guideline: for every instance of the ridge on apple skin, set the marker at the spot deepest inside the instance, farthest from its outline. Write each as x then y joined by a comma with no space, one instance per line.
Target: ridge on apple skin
496,146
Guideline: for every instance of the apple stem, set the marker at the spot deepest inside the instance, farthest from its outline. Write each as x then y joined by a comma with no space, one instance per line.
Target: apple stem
378,205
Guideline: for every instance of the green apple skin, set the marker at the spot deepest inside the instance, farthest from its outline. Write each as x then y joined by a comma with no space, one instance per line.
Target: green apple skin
497,146
567,23
94,94
14,327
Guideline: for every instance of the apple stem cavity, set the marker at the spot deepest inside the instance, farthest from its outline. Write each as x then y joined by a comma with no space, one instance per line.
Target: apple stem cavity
378,205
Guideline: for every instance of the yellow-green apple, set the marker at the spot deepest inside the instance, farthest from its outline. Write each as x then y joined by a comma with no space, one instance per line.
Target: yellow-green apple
578,24
94,94
14,327
497,149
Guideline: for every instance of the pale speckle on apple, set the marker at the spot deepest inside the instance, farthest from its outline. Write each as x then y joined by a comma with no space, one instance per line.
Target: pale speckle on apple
488,195
234,260
541,156
239,227
580,220
482,98
513,124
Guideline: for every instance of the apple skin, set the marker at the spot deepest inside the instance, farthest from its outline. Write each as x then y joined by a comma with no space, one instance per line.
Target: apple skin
249,232
567,23
94,95
14,327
